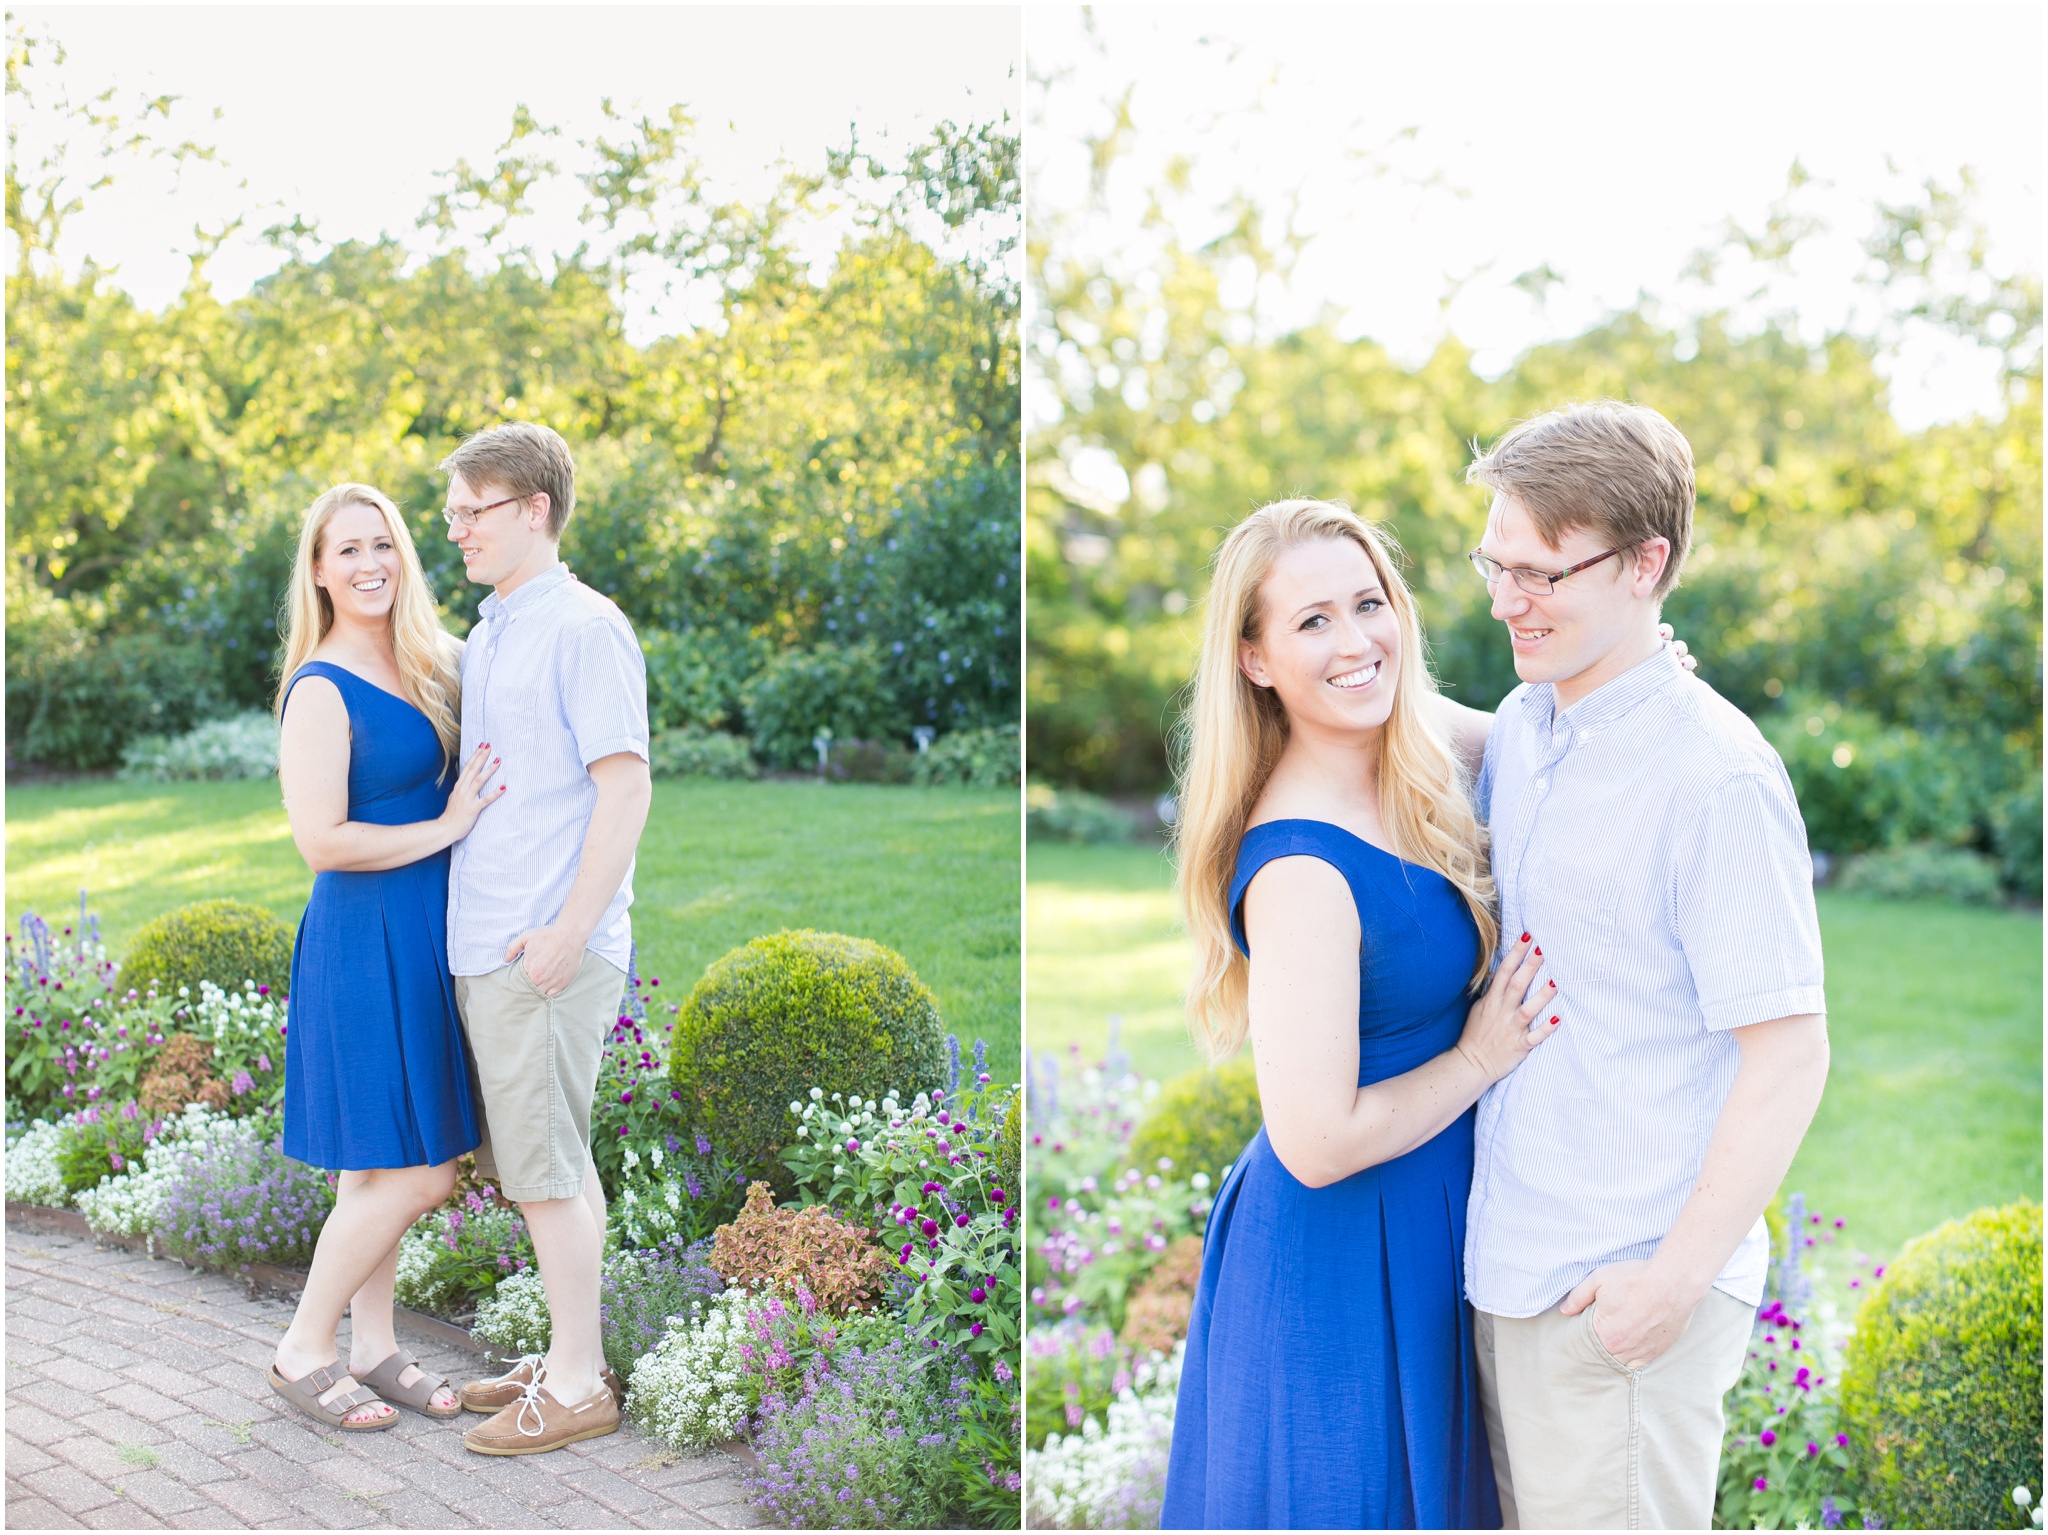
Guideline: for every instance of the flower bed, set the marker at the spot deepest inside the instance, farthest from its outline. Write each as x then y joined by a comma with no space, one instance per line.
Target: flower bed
864,1336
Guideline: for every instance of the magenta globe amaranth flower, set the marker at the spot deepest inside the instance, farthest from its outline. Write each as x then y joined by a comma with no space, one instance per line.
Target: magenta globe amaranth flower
1762,1482
1767,1438
929,1227
975,1330
977,1295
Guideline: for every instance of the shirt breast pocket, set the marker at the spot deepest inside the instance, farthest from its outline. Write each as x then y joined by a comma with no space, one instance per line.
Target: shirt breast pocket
1576,911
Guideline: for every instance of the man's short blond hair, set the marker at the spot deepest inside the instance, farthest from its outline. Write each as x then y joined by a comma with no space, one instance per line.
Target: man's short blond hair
1619,471
525,458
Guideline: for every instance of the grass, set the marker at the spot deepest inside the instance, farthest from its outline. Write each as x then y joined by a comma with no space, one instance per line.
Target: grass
932,873
1933,1106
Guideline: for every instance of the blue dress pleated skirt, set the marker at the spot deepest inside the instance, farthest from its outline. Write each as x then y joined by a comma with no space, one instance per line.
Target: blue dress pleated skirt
1330,1381
376,1068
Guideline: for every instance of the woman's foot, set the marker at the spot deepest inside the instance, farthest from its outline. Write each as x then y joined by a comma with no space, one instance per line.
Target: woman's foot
444,1400
293,1365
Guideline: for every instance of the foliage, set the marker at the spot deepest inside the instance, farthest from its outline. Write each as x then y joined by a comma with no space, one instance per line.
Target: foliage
246,1029
809,1250
695,1388
1202,1121
513,1318
223,941
73,1035
130,1203
855,761
827,454
1156,1315
178,1075
643,1289
34,1174
675,1197
239,1199
785,1011
988,1457
987,758
101,1140
927,1169
634,1112
830,690
243,746
1076,1369
1924,872
454,1257
1941,1386
866,1445
696,751
1111,1475
1075,815
697,685
1009,1147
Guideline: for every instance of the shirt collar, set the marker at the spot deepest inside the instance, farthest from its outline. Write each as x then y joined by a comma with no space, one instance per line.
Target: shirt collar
527,595
1608,702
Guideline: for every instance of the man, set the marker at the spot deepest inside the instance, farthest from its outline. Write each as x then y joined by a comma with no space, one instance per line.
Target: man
538,931
1648,837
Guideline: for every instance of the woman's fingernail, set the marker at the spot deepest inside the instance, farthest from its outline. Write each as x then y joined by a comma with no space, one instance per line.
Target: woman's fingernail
1539,948
1553,1017
1553,986
1523,939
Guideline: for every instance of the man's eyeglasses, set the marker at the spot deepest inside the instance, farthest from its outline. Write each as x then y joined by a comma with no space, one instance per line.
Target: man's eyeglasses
1537,583
462,514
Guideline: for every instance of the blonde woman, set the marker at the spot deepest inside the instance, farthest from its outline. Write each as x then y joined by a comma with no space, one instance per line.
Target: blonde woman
376,1078
1335,883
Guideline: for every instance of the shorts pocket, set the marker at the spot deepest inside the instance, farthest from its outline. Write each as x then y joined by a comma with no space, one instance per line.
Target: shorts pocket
1593,1334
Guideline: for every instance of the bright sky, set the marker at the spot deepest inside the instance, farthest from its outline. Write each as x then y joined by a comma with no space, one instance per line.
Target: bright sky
345,114
1609,143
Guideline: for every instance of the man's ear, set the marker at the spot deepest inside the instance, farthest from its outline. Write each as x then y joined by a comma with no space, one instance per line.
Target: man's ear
539,507
1651,556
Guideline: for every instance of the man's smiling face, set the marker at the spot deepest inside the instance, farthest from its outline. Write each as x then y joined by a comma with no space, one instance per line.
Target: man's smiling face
1582,621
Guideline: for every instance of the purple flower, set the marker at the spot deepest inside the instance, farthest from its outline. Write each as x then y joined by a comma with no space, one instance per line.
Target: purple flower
1830,1513
1762,1483
1812,1448
1767,1438
929,1227
977,1295
1842,1440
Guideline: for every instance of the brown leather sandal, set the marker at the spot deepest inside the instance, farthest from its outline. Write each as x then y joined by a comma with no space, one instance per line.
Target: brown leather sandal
305,1393
419,1396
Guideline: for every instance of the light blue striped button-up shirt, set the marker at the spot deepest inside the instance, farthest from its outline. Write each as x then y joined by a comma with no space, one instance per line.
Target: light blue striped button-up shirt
553,678
1649,840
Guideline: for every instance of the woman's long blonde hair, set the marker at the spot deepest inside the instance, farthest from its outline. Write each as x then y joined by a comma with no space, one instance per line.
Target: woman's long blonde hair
425,651
1233,735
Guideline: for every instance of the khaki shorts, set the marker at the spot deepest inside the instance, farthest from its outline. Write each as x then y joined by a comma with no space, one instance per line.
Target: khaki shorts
1582,1442
533,1068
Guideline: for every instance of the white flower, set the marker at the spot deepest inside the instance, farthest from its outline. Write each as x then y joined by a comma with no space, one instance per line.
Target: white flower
33,1176
796,1108
1111,1477
515,1318
817,1095
2022,1496
692,1389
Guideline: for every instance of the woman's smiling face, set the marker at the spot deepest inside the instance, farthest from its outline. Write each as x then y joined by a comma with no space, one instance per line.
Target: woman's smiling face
358,563
1329,642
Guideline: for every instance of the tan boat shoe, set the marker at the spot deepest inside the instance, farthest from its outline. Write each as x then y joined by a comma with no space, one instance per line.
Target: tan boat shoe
537,1423
501,1391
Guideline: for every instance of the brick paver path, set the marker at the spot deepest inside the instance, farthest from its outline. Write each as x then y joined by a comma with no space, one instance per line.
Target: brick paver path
137,1398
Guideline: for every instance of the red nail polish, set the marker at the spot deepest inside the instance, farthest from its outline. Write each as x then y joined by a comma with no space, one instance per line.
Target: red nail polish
1524,938
1539,949
1553,1017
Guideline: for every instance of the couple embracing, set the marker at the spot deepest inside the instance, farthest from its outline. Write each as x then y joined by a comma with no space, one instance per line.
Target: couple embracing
471,813
1495,1255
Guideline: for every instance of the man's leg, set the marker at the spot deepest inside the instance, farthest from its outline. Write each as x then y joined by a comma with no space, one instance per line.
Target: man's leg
1489,1407
568,1241
1683,1425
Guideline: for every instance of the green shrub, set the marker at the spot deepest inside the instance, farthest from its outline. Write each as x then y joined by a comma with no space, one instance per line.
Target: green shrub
699,677
867,762
693,751
1924,872
241,746
1010,1149
225,942
1074,815
791,1011
840,690
1941,1382
1202,1119
74,700
981,759
2016,833
1863,785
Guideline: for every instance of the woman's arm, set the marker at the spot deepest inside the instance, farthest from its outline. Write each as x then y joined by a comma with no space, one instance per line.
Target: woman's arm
312,766
1304,935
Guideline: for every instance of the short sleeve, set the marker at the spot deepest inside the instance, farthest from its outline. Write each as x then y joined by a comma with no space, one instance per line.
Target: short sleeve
604,691
1742,905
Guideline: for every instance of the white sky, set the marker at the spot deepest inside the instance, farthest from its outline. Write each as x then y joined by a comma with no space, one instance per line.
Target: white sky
345,114
1608,142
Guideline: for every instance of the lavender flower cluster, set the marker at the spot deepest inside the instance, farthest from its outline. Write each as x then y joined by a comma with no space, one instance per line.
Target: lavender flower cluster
242,1200
868,1442
644,1288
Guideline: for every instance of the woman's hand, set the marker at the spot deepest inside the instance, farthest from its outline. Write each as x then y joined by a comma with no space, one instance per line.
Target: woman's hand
1685,657
1501,1029
469,798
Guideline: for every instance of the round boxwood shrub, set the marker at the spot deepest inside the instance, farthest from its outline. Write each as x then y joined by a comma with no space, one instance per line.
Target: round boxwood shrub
225,942
1941,1383
1202,1119
793,1011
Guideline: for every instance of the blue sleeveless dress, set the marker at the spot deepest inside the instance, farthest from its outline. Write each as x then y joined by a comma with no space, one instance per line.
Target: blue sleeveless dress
1330,1381
376,1071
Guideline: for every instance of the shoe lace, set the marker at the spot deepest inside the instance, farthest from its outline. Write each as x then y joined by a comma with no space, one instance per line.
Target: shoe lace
529,1399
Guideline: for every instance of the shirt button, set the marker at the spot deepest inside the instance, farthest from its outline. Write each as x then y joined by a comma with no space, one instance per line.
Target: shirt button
1542,784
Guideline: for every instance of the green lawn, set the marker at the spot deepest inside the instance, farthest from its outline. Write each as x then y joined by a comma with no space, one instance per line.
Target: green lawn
933,873
1933,1105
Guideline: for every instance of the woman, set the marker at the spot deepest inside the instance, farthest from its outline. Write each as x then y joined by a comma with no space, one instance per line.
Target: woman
1334,882
376,1078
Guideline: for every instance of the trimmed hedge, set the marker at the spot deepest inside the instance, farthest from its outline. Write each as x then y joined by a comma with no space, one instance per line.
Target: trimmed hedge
791,1011
1202,1119
693,751
1941,1384
225,942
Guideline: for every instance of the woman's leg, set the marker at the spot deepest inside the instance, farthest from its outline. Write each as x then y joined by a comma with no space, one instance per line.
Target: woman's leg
372,1336
371,1212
